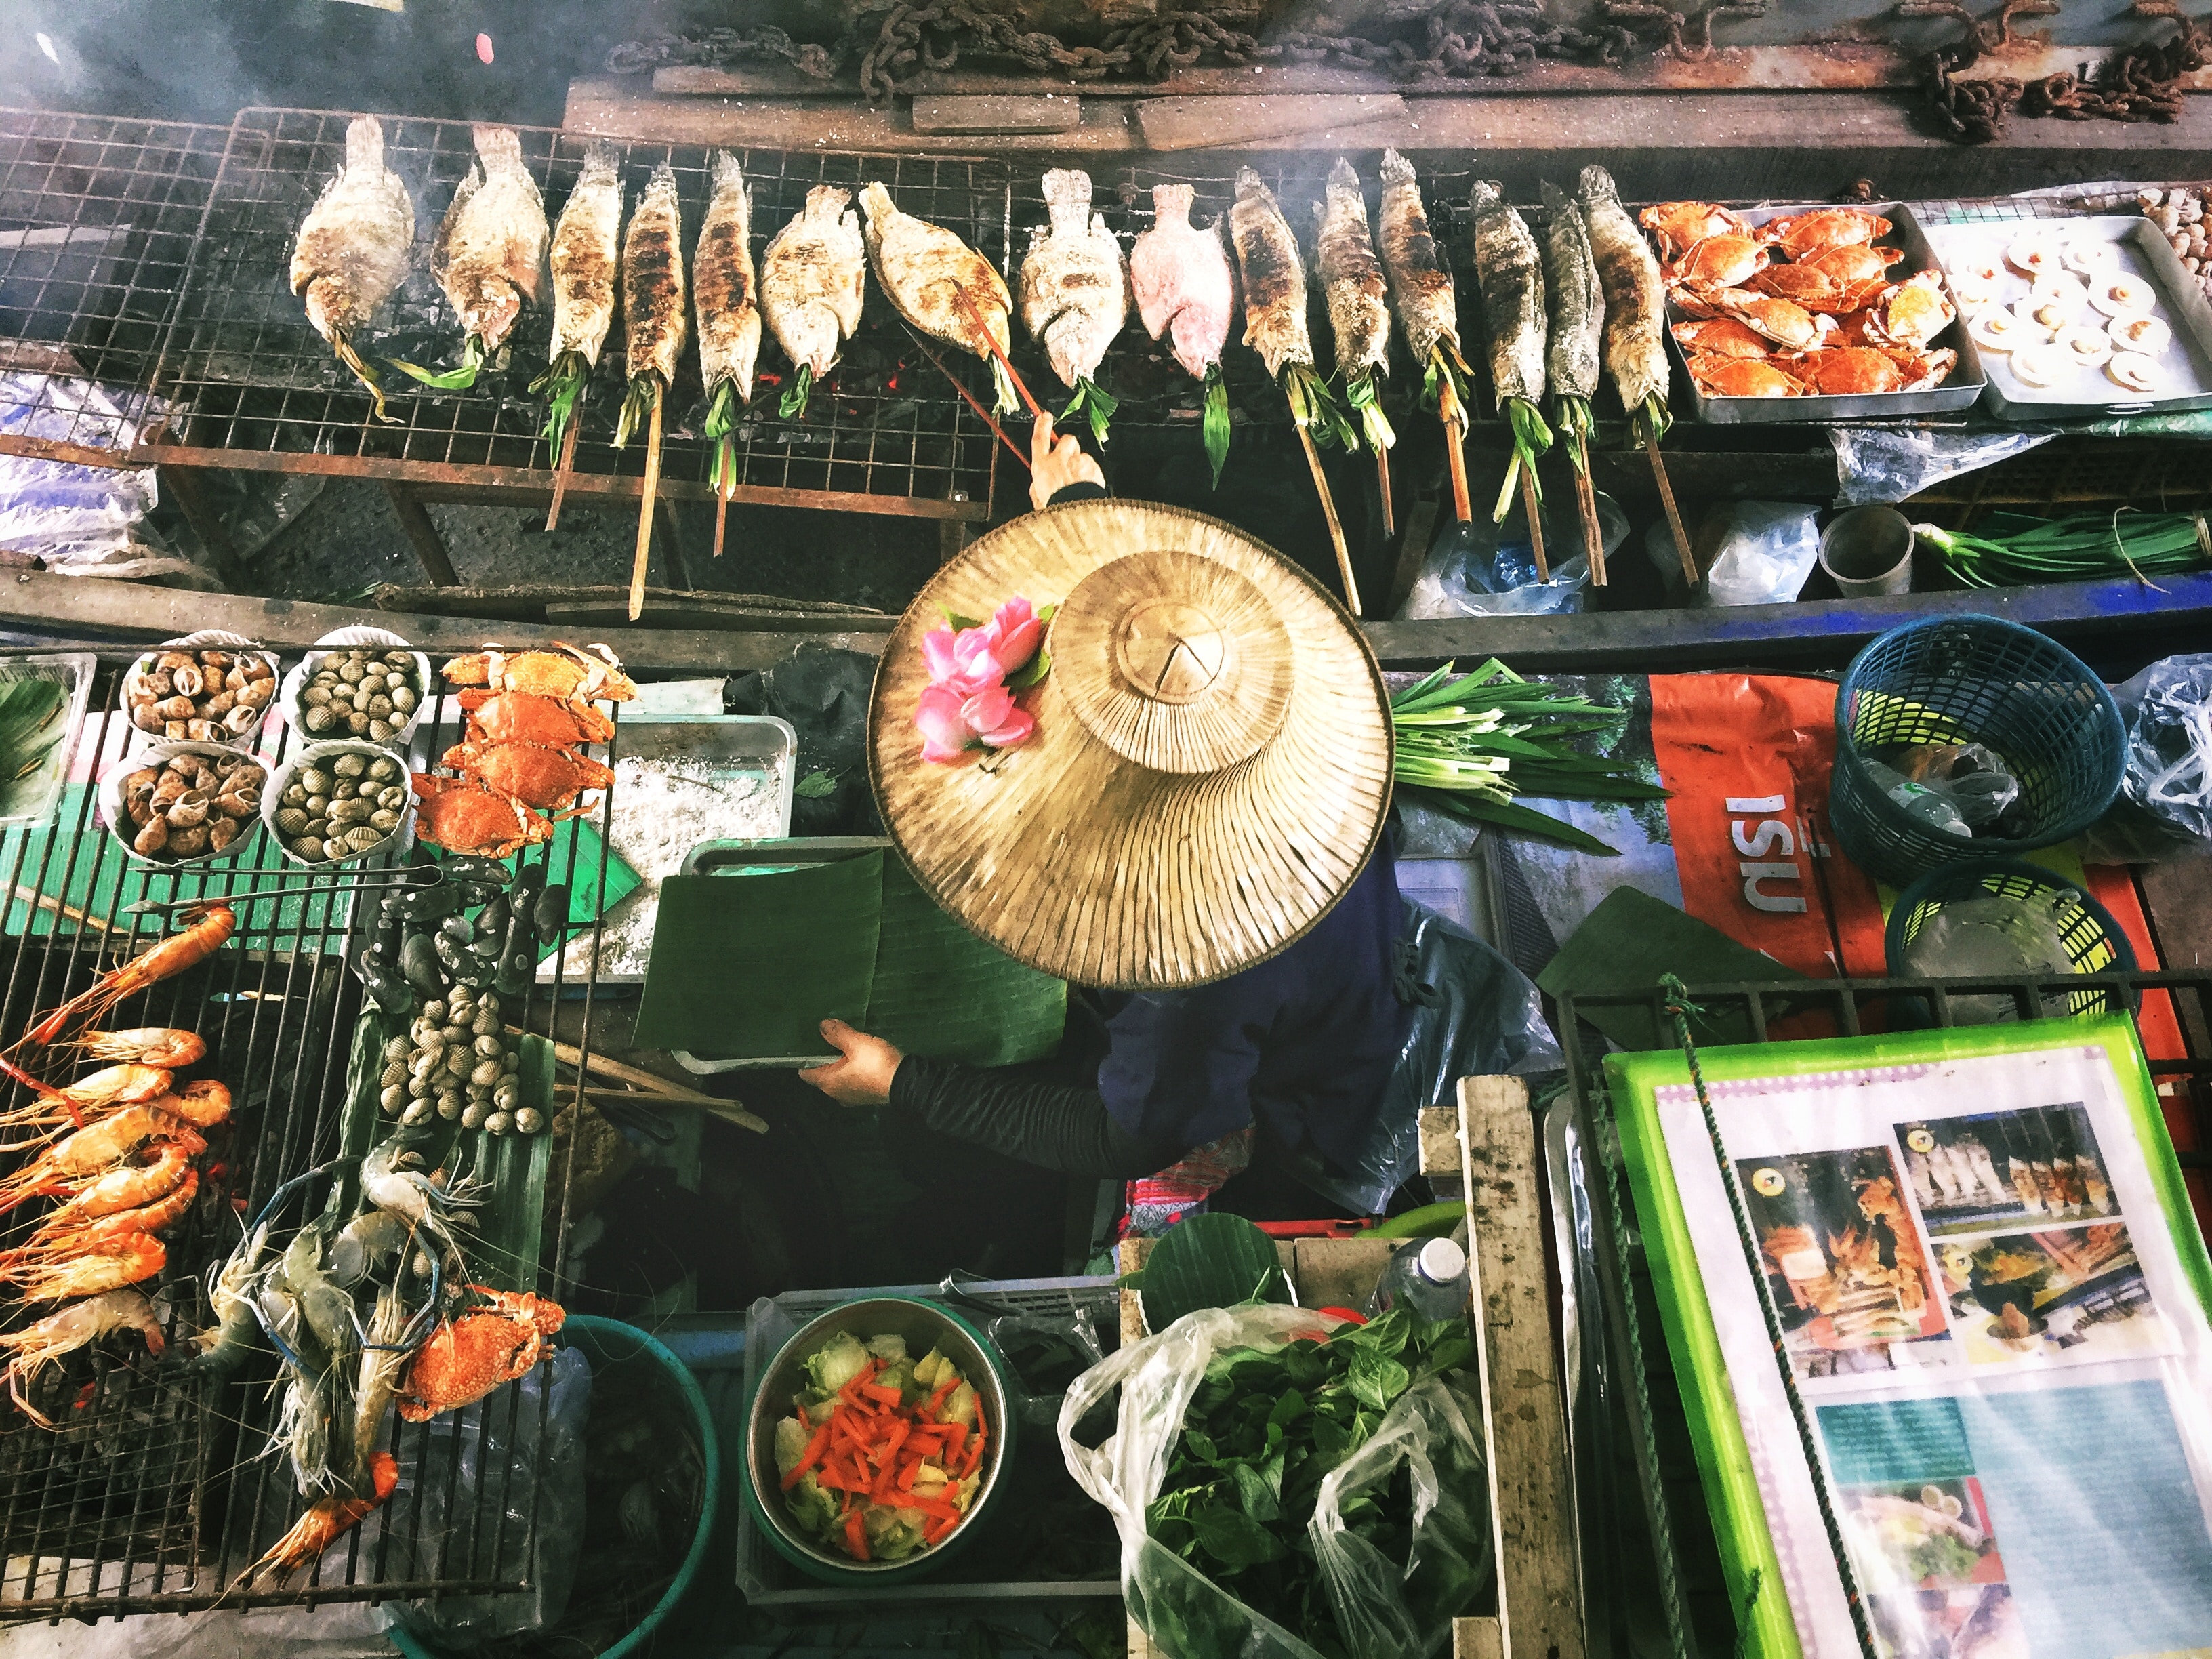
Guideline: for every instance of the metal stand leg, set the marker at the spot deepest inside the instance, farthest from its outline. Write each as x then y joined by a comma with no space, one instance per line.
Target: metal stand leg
184,487
672,546
430,546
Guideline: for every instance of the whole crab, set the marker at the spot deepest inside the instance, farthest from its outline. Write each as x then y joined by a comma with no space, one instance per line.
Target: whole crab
462,815
529,717
1742,377
1912,314
1717,264
470,1355
534,774
1681,226
1800,234
1722,336
565,672
1783,321
1818,290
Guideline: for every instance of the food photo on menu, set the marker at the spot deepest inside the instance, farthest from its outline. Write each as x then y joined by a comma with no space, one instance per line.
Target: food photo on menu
1976,1174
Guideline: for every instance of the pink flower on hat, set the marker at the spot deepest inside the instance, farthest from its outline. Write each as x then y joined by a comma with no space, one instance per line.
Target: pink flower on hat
968,704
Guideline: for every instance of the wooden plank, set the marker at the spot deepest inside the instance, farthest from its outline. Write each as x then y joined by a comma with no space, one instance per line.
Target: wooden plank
1208,123
1532,1493
613,106
1338,1272
1478,1638
1039,112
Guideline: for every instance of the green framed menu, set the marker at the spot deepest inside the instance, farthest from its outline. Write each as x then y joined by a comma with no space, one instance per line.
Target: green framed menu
1994,1300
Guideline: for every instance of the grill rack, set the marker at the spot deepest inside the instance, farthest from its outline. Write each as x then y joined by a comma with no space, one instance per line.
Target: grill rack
153,1496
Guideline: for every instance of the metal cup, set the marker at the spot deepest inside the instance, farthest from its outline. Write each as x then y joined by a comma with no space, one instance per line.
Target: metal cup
1867,552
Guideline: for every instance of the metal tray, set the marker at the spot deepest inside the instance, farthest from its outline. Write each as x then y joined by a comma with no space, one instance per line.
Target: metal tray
1960,391
2187,358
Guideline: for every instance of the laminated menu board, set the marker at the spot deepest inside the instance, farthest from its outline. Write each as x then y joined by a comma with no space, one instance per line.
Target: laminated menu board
1993,1296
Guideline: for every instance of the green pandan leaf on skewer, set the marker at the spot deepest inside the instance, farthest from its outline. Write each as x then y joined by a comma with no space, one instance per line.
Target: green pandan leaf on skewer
452,380
793,406
637,405
1215,427
1095,405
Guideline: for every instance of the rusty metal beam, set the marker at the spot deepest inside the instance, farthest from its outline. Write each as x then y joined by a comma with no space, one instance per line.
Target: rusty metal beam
422,530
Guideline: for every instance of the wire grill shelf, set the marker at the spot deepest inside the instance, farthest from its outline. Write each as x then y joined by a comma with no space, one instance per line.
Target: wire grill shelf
159,1488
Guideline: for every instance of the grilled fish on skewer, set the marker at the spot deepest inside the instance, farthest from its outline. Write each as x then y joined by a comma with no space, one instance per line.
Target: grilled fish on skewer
812,279
1570,357
1075,294
723,290
1180,279
1422,292
1511,276
1275,305
926,271
489,252
653,298
1635,302
586,244
1351,282
354,247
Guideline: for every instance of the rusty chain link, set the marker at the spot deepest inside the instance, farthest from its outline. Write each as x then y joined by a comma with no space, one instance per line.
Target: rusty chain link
2141,84
718,48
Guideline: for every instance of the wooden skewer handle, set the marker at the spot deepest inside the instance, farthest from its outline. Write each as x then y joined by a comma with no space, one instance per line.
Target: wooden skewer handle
644,509
1335,529
1674,513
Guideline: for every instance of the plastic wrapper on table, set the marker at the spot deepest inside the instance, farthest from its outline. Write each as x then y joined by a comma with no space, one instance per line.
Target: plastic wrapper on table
1889,463
1473,1014
1385,1608
1482,570
2165,805
73,517
1762,556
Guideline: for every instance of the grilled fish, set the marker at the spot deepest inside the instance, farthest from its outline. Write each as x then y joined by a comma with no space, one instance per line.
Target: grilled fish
353,246
1074,286
1635,298
927,272
1511,276
1571,360
1274,276
653,281
491,247
585,245
722,288
812,279
1351,280
1181,278
1420,278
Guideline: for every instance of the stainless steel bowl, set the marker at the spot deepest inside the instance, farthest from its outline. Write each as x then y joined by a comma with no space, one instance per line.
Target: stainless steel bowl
924,1325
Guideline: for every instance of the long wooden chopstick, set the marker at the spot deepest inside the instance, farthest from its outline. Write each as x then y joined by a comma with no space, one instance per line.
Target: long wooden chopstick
1382,478
1586,504
991,345
645,511
974,402
728,1110
1335,529
561,469
1674,513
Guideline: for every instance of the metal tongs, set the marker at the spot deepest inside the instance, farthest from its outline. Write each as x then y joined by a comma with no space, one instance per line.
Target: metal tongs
435,873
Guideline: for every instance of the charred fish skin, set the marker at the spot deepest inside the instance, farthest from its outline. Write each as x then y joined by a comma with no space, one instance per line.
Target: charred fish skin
1635,296
1352,280
813,278
355,243
586,246
491,247
653,281
1274,276
1572,359
723,288
1421,285
1074,284
1180,279
926,271
1509,272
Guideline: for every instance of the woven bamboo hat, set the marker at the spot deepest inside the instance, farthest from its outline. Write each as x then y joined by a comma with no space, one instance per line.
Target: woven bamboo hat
1210,766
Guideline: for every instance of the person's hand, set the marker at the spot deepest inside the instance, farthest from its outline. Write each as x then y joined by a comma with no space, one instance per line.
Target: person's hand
862,1074
1056,464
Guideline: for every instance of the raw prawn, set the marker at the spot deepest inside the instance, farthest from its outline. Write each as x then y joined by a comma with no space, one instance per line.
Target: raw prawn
59,1241
118,1085
212,928
32,1350
108,1266
95,1149
327,1521
144,1045
226,1342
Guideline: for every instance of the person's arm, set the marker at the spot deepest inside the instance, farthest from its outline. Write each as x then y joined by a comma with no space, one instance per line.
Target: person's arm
1059,469
1050,1125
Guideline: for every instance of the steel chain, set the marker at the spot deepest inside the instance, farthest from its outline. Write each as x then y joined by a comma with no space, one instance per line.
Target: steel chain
716,48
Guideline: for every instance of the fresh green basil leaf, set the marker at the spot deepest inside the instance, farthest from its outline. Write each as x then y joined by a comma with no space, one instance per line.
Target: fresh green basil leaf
1252,1491
1233,1538
1290,1407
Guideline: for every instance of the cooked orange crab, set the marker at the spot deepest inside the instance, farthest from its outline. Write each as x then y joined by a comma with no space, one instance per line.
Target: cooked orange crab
1801,234
1681,226
1717,262
1722,336
1852,371
1783,321
532,772
564,672
1855,262
1742,377
1912,314
526,717
470,1355
1815,290
462,815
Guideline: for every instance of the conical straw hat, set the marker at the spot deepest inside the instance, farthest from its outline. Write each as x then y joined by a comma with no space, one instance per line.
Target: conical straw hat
1211,765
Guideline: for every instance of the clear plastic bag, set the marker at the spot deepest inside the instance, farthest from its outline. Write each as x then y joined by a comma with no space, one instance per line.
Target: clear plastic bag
1475,1015
1386,1609
1766,552
69,515
1482,570
1894,464
1975,780
1995,937
2165,804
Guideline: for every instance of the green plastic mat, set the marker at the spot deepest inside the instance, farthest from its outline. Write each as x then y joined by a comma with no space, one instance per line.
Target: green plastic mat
746,965
503,1248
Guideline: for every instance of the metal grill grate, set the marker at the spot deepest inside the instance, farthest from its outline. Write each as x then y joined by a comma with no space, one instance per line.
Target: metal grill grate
97,219
154,1495
254,377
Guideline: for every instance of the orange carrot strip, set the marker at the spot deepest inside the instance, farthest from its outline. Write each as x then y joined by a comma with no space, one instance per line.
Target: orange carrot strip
817,1448
856,1535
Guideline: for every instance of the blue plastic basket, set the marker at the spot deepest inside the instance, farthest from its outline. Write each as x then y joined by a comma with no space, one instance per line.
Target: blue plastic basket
2093,939
1972,679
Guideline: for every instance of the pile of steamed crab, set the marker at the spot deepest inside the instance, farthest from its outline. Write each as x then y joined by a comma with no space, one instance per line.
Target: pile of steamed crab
1802,306
521,766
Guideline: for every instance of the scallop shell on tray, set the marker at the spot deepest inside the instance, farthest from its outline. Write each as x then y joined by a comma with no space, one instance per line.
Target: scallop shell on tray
322,759
290,698
207,639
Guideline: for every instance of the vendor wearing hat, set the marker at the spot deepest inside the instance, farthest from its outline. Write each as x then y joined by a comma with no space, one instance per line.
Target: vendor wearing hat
1185,813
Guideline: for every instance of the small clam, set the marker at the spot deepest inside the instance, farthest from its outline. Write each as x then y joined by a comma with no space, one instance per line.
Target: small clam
315,780
350,670
360,838
508,1094
403,660
404,699
151,838
309,848
319,827
383,769
379,706
188,808
460,1061
318,793
529,1121
398,1049
488,1045
221,832
315,696
498,1123
294,795
487,1072
358,724
393,1099
190,843
318,718
291,822
383,821
394,1073
352,764
419,1112
474,1117
380,731
452,1104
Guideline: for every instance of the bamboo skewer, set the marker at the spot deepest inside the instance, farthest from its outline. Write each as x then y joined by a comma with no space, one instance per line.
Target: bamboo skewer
728,1110
561,469
645,1088
1534,508
1586,502
973,401
1455,423
644,511
47,902
1674,513
1383,478
721,513
1335,530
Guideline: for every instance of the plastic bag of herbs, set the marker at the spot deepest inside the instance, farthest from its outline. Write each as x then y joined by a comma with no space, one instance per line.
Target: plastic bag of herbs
1287,1485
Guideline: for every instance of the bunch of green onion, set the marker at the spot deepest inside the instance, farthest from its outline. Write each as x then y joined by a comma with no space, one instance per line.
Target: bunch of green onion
2015,551
1468,746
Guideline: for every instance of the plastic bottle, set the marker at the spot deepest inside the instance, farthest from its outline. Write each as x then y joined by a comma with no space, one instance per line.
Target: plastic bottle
1428,1275
1930,807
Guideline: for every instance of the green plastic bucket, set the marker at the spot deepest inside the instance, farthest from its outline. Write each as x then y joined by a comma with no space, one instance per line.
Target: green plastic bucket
611,1342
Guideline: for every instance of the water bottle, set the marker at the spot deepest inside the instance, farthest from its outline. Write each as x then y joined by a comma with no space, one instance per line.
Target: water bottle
1931,808
1429,1276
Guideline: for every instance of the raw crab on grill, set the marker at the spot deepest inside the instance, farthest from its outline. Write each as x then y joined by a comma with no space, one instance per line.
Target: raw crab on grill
534,774
462,815
1801,233
474,1352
